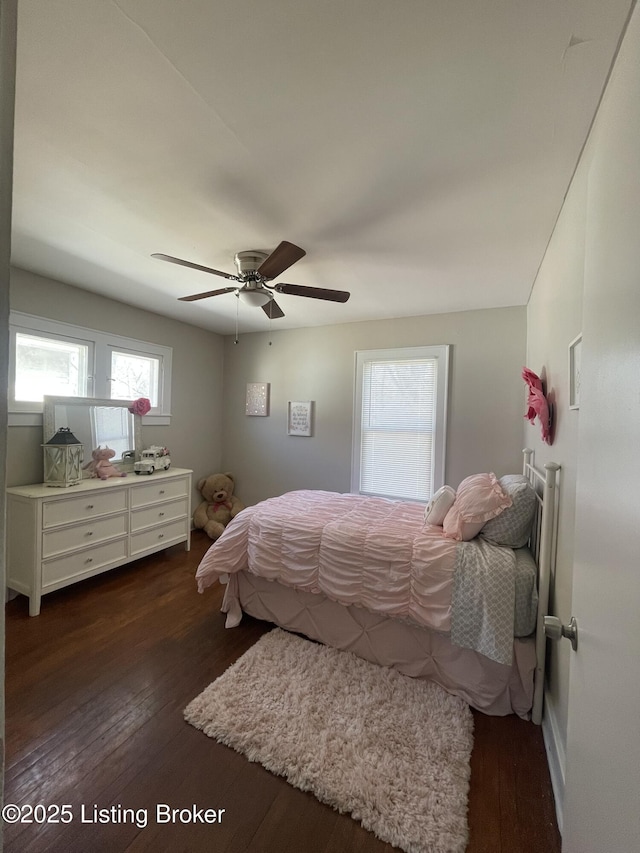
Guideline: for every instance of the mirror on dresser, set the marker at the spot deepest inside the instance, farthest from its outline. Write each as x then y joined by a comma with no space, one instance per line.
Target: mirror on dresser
96,422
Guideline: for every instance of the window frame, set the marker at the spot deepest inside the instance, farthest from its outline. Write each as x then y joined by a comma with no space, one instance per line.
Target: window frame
101,344
441,353
128,351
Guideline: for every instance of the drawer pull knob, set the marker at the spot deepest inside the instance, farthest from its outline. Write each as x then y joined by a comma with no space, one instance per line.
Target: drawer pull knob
161,536
89,506
89,533
162,491
160,514
89,560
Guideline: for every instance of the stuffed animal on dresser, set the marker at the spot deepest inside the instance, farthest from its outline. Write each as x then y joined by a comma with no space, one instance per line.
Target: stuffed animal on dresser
101,465
219,506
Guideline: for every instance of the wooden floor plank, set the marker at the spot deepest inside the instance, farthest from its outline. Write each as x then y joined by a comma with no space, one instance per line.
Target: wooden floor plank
95,690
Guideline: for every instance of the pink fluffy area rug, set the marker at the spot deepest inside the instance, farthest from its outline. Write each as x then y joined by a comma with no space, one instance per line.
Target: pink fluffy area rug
391,751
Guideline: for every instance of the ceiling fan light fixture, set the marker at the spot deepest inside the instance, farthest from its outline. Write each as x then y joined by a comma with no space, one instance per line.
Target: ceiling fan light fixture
255,269
257,298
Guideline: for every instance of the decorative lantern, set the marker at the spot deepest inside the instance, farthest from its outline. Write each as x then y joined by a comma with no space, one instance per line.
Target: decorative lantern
63,459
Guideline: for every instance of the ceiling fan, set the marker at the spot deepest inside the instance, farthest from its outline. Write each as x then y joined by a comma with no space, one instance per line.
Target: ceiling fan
255,269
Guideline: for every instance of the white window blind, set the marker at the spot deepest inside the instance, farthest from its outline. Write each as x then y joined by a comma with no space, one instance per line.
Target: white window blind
400,422
112,427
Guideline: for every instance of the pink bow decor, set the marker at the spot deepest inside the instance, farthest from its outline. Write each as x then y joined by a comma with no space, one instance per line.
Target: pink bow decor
538,404
140,406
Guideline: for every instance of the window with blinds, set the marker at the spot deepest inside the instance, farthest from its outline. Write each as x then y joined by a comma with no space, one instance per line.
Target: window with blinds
400,420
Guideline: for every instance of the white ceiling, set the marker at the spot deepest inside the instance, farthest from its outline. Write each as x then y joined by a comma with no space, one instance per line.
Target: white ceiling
418,150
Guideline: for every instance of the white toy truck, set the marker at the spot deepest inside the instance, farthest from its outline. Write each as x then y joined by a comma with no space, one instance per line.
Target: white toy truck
153,458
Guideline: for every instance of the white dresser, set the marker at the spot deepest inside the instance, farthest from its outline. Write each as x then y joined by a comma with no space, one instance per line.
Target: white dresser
57,536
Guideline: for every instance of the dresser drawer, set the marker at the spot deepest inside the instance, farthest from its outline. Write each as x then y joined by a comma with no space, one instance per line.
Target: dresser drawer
159,513
86,506
87,562
81,535
161,490
176,531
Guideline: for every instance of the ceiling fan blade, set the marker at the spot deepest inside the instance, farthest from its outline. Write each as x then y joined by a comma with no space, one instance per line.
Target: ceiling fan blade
313,292
196,296
273,310
193,266
282,257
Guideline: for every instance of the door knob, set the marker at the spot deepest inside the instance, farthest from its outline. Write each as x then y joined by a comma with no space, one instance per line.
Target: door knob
555,630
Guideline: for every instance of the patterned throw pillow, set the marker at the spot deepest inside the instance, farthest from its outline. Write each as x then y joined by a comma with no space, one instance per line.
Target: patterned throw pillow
512,528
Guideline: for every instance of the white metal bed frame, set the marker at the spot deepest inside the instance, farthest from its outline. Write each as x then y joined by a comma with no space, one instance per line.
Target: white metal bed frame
542,544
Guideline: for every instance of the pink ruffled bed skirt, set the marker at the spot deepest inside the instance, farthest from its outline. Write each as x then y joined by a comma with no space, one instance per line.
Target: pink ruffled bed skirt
488,686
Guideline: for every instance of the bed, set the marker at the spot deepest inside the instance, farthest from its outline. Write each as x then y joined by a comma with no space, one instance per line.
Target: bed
460,602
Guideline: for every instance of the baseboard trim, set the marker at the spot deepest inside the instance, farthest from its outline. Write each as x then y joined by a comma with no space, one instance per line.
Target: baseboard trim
555,758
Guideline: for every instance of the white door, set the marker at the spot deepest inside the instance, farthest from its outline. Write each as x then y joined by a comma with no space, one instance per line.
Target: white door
602,794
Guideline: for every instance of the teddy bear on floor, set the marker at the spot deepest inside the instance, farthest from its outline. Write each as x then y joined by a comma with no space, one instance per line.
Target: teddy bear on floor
101,466
219,505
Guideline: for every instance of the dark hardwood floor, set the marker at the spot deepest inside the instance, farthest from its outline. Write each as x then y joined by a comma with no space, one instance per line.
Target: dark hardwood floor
95,688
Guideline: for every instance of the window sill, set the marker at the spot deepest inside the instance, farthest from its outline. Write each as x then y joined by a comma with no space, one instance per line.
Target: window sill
27,419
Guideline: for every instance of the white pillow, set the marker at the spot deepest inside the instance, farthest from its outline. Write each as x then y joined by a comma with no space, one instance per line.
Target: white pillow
439,505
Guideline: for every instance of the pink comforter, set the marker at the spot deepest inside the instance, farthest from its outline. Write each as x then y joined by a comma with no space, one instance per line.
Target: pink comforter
383,558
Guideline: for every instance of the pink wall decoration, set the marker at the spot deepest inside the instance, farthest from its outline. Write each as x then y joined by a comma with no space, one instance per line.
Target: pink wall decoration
538,404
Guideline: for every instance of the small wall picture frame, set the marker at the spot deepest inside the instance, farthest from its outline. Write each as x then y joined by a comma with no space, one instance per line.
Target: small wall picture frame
257,405
299,417
575,367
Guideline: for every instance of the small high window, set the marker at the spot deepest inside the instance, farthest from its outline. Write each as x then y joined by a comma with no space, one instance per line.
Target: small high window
52,358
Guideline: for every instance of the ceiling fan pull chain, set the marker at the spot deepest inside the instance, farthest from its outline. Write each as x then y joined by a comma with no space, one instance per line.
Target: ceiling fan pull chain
270,342
237,312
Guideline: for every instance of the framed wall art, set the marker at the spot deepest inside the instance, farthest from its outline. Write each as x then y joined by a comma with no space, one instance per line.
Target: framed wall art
299,415
575,366
257,399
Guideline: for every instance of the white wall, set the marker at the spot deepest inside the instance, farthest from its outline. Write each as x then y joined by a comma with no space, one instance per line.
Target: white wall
554,318
603,732
194,435
486,398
